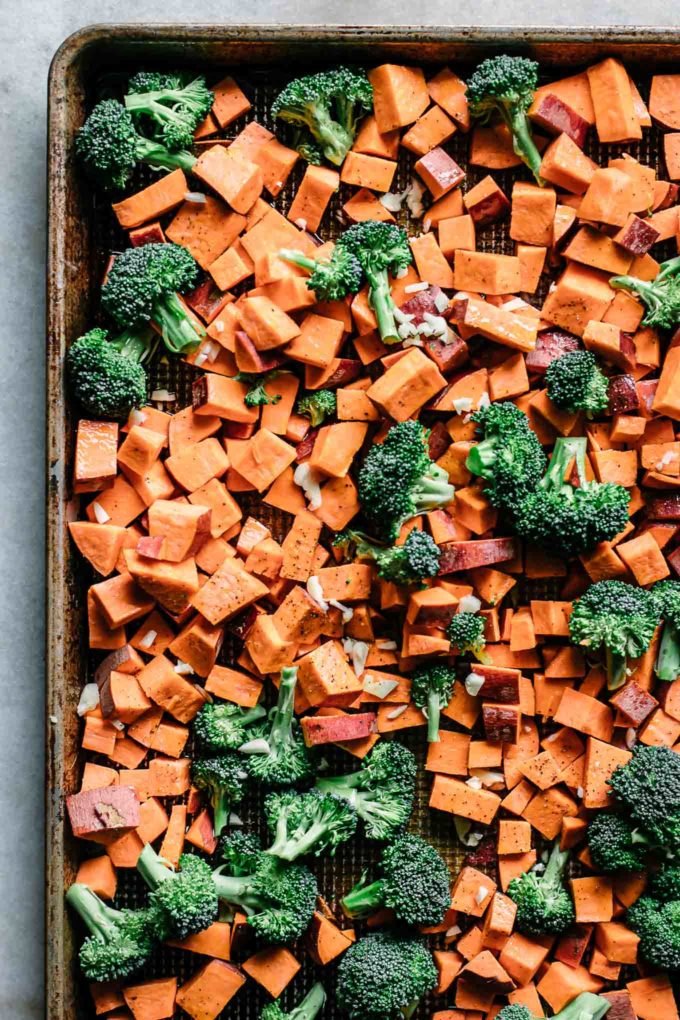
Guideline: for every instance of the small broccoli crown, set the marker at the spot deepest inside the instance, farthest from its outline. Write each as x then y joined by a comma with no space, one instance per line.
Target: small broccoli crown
431,690
307,1009
378,246
383,976
169,105
575,383
648,787
186,902
515,1011
330,279
224,727
398,480
618,617
660,296
666,595
665,884
223,779
288,762
407,564
466,633
308,823
509,457
120,941
615,845
241,851
544,907
106,376
317,406
107,145
658,927
257,394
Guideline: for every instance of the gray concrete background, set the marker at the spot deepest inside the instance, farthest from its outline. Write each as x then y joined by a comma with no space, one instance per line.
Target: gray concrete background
30,32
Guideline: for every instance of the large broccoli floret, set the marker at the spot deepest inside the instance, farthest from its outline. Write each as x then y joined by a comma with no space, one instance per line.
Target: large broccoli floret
660,296
170,106
398,480
381,792
329,106
223,778
110,147
257,394
648,788
120,941
505,85
107,375
509,457
317,406
658,927
224,727
615,845
570,520
142,286
288,761
544,907
666,595
183,902
466,634
381,248
664,885
384,976
331,279
278,898
575,383
586,1006
307,1009
308,823
618,617
410,563
431,690
415,883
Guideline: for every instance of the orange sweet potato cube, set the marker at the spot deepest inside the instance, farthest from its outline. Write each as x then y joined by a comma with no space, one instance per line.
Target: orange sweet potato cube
326,678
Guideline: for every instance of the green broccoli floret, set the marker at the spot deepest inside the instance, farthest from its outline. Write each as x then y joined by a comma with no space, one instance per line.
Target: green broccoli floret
570,520
411,563
414,882
317,406
107,375
288,761
171,106
224,727
658,927
666,595
257,394
648,788
615,845
618,617
110,147
660,296
576,383
183,902
142,286
381,791
505,85
466,634
328,106
307,1009
381,248
544,907
223,778
308,823
384,976
431,690
120,941
586,1006
509,457
398,480
331,279
279,899
664,885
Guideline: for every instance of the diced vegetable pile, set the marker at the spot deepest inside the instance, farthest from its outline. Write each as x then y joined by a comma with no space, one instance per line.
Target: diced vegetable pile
448,450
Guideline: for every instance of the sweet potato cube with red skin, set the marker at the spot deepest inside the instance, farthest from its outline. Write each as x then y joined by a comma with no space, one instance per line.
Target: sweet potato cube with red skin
635,703
457,556
485,971
501,684
636,235
556,117
621,1006
571,947
501,722
439,172
103,810
486,202
333,729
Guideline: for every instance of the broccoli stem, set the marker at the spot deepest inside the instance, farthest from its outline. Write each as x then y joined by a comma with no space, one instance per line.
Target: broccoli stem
564,452
668,658
669,268
433,717
289,849
616,669
136,344
433,489
364,899
297,258
380,300
557,862
312,1004
586,1006
157,155
99,918
179,334
482,457
221,810
283,713
523,142
332,137
153,868
237,889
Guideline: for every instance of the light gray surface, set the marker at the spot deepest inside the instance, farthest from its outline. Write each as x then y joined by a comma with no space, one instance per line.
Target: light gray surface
30,32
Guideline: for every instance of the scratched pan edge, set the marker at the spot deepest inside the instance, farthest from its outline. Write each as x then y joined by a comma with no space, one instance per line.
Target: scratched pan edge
81,231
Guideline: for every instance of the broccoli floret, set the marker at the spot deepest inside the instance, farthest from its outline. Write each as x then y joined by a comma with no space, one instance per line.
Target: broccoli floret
107,375
381,248
658,927
575,383
466,634
509,457
110,147
660,296
505,85
411,563
414,882
120,941
398,480
431,690
307,1009
586,1006
308,823
257,394
169,105
183,902
544,906
381,792
648,788
225,727
142,286
223,778
384,976
665,884
317,406
328,106
278,898
567,520
666,595
331,279
615,845
288,761
618,617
